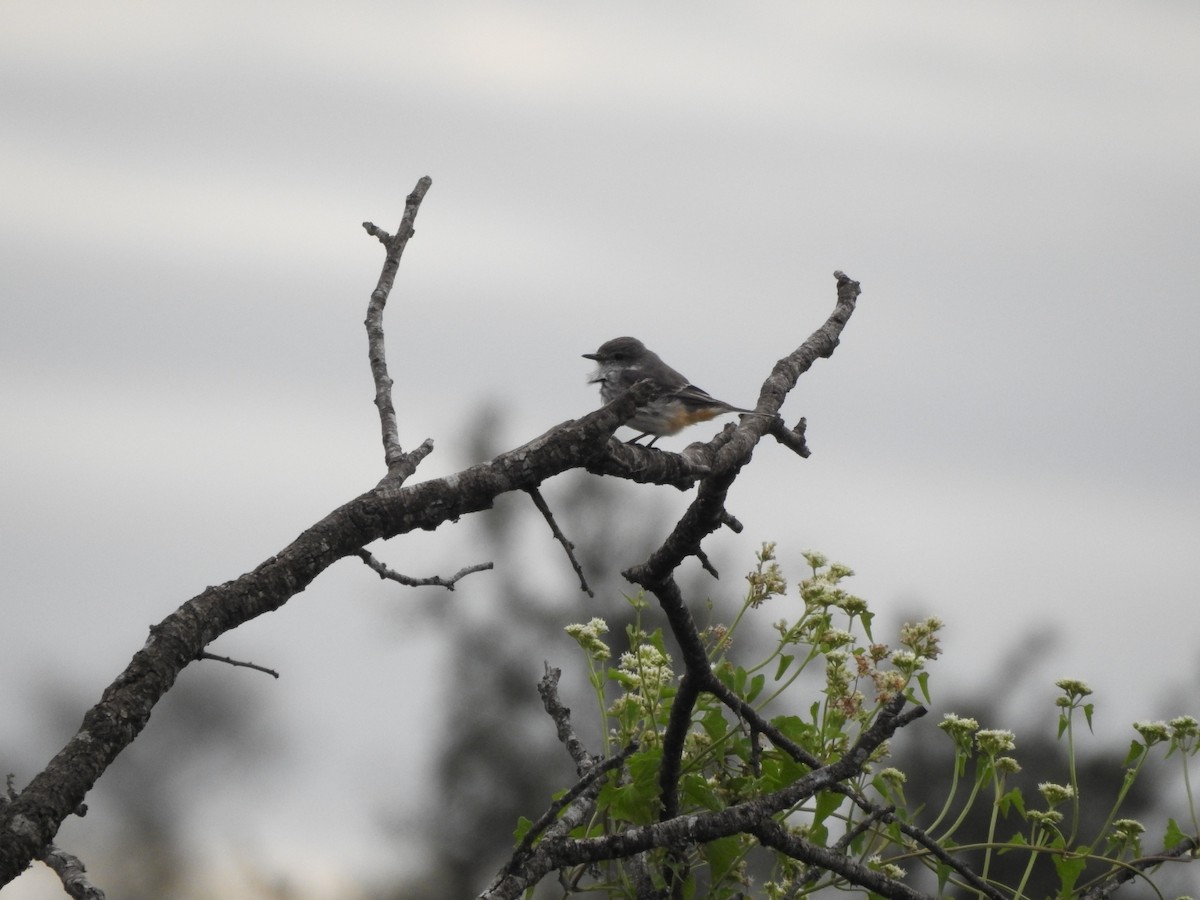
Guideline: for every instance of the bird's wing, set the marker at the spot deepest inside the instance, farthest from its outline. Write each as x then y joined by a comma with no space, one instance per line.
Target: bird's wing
627,378
700,398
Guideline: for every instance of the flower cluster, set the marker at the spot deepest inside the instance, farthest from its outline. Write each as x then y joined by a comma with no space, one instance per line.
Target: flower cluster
767,578
645,673
589,638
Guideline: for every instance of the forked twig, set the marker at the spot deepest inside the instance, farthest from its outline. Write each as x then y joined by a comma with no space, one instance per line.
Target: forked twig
399,464
384,572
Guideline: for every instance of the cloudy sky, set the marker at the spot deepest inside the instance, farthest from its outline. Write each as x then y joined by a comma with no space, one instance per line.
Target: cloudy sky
1006,437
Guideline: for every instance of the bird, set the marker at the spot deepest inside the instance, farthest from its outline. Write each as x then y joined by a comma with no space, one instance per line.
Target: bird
624,361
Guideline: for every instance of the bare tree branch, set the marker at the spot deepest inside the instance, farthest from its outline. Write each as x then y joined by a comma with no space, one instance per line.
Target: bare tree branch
558,851
935,850
522,871
399,466
580,787
774,835
433,581
706,826
540,502
1139,867
239,663
30,821
548,689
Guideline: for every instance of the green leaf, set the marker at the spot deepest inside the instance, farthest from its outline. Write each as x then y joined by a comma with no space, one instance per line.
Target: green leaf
636,800
772,777
784,661
756,686
1012,798
724,672
1174,834
943,877
923,681
796,729
657,640
699,792
714,723
793,727
723,856
819,835
866,617
827,804
622,678
1088,709
522,829
1063,722
1136,749
1069,869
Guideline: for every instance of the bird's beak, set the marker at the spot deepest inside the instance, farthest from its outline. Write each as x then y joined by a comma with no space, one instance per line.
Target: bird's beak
590,356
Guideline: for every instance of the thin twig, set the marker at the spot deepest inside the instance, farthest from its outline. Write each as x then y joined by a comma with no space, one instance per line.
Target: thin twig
813,873
393,453
237,662
510,881
548,691
435,581
1137,867
598,771
934,848
540,502
774,835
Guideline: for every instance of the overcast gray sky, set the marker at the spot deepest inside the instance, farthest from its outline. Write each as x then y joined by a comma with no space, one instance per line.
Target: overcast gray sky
1006,437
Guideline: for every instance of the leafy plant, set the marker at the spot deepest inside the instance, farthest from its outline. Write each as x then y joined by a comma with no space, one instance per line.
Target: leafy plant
739,747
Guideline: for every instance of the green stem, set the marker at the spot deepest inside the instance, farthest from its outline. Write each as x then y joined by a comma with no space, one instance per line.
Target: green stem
1130,777
966,809
960,763
998,790
1187,786
1035,837
1074,776
764,703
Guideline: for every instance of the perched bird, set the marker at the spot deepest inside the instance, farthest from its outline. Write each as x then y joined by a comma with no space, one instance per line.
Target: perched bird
624,361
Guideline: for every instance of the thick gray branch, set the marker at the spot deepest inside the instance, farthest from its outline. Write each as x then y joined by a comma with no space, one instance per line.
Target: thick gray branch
29,823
